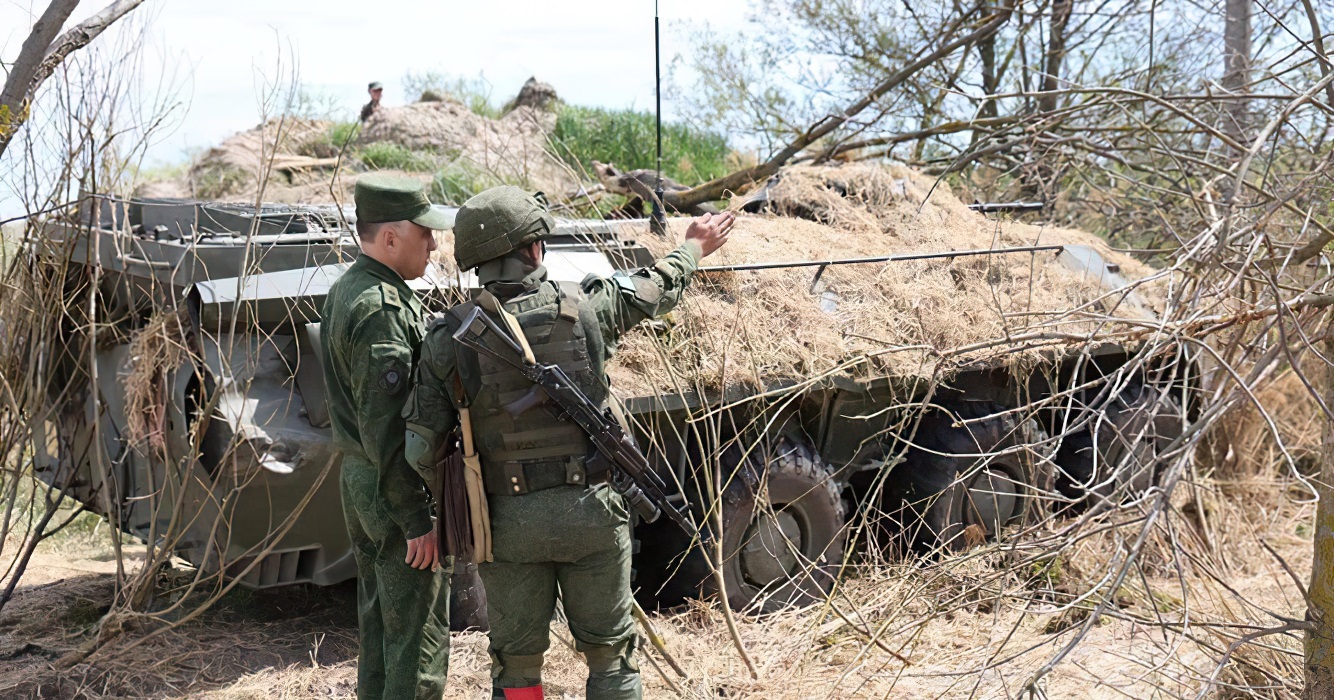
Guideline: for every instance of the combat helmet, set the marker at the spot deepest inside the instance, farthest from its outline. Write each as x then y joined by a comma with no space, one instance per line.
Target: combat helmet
498,221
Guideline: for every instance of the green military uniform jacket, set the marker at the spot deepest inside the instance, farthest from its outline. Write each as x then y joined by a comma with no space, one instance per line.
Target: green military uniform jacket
372,327
620,303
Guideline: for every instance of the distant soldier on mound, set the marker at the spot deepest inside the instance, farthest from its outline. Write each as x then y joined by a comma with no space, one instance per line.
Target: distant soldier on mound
375,89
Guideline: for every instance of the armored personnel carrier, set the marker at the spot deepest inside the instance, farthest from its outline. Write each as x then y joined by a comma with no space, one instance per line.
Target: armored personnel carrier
241,475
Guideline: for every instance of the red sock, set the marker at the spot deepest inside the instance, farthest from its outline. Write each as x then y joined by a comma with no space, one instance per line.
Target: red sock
532,692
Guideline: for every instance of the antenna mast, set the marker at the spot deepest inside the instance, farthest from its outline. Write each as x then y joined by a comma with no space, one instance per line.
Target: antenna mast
658,221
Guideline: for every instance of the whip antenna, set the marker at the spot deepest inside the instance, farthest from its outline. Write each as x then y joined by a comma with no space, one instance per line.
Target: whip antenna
658,222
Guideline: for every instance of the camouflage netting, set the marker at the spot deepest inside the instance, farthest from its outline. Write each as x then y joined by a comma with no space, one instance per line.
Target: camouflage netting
759,328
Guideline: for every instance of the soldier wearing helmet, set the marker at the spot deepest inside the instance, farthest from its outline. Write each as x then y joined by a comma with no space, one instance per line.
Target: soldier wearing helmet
557,528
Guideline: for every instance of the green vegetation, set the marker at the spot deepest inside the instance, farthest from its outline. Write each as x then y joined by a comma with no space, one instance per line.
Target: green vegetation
460,180
475,93
340,133
214,180
385,155
626,138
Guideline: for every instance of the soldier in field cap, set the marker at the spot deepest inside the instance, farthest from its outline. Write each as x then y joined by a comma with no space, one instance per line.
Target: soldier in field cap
375,90
372,327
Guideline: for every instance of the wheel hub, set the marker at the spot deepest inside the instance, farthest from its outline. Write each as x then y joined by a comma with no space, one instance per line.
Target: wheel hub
992,501
771,545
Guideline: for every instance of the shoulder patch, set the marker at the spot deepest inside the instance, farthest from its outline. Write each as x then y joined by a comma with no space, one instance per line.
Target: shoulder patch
641,289
393,378
390,364
389,293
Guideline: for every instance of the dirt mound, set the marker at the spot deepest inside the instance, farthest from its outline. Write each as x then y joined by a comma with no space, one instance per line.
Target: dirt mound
535,94
910,318
231,169
441,136
510,149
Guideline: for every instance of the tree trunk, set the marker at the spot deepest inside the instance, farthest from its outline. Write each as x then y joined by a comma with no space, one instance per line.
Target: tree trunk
1320,638
41,55
1051,79
1037,175
986,50
1236,67
30,57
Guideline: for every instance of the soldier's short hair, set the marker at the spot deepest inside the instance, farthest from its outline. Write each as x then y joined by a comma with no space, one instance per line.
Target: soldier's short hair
367,231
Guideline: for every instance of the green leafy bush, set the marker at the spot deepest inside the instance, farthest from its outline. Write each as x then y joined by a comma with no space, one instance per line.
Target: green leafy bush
627,139
385,155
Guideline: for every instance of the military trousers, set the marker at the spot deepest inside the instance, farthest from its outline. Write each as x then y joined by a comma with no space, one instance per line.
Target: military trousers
402,612
574,543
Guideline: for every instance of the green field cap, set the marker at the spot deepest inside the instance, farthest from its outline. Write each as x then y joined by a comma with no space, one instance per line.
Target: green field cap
381,198
375,85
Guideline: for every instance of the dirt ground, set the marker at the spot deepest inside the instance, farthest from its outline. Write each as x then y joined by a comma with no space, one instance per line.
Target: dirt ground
300,642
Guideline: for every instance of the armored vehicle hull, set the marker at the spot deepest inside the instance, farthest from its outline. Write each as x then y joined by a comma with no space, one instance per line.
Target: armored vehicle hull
241,475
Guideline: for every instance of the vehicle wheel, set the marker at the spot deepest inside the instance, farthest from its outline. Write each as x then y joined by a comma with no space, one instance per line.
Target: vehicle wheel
962,484
783,534
1119,454
467,600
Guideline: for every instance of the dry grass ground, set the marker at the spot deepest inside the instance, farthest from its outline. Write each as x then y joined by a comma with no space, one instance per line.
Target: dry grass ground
969,626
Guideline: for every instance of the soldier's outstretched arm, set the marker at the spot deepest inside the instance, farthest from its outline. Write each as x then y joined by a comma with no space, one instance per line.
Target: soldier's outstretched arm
430,413
380,388
624,301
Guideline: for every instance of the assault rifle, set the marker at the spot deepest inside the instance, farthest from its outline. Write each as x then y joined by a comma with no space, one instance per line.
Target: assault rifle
632,475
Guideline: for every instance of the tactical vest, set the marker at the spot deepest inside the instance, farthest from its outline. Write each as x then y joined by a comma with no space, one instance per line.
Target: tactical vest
535,449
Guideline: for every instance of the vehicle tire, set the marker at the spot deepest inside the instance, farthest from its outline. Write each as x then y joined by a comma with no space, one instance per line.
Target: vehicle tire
783,534
467,600
1119,454
961,484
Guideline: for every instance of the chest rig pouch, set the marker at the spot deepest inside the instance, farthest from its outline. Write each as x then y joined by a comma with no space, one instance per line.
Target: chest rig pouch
526,446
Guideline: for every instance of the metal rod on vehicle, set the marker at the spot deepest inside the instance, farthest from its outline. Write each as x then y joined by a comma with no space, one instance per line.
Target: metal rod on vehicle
990,207
658,220
881,259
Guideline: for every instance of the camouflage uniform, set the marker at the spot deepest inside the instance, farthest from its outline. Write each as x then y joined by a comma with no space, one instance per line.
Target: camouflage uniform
371,107
561,536
371,330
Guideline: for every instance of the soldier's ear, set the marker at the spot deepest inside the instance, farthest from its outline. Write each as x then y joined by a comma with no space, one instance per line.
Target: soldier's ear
389,235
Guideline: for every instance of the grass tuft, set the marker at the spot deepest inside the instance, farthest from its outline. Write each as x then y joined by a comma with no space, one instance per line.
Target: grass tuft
461,179
386,155
627,138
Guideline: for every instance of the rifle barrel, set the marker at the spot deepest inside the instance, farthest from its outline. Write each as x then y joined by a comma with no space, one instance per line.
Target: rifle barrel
880,259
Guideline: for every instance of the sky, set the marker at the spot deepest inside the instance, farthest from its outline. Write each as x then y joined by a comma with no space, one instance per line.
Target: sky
594,52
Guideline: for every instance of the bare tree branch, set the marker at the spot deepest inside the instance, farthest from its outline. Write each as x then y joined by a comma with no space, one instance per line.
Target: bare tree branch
19,91
715,189
30,57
